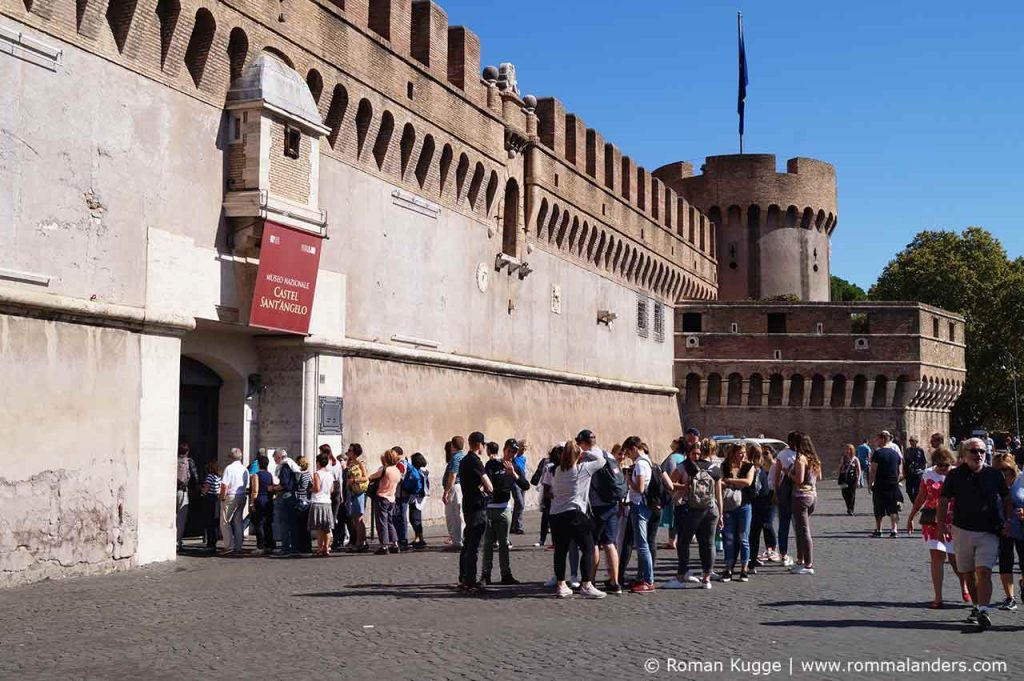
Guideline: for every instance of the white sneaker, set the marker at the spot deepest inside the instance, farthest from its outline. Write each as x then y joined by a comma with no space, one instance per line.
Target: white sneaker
574,584
538,545
690,577
551,582
802,570
677,584
591,591
705,583
563,592
787,561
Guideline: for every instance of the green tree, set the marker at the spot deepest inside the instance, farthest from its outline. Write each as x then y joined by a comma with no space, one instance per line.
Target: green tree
845,291
968,273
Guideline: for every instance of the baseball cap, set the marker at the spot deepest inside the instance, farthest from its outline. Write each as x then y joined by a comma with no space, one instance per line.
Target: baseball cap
693,431
586,436
512,444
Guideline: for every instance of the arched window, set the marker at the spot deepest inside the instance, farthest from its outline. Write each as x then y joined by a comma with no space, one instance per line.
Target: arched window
364,116
775,390
860,390
406,145
817,391
735,394
167,13
425,160
238,50
878,395
383,141
714,390
838,397
492,190
900,396
315,83
692,394
796,391
119,17
510,219
336,114
755,396
446,164
199,45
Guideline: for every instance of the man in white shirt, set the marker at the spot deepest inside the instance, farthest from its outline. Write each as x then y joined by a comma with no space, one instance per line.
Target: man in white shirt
234,484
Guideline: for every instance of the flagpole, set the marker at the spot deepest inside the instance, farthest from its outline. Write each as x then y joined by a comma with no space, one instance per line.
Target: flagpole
742,75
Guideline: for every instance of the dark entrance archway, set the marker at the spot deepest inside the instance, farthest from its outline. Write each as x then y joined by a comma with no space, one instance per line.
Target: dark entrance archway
197,425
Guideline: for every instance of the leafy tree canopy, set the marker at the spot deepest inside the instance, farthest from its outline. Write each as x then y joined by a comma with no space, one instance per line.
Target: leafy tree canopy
845,291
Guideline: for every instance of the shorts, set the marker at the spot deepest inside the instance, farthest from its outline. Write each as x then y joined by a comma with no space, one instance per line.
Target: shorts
606,524
1007,546
357,505
886,500
975,549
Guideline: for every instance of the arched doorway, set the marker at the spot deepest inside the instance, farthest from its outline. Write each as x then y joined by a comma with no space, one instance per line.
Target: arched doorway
197,424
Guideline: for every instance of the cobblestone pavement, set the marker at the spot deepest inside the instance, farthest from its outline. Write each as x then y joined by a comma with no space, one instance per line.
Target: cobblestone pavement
398,617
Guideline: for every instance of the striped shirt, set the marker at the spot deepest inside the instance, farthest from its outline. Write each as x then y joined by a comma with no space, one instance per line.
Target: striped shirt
213,483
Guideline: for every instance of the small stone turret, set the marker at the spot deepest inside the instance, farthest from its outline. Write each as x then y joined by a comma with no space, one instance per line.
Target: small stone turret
773,228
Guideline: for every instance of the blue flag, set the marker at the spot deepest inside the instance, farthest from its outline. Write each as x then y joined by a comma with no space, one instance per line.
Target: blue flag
742,94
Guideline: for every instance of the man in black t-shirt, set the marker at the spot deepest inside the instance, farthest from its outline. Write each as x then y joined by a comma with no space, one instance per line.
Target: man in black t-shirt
884,480
976,491
475,487
914,463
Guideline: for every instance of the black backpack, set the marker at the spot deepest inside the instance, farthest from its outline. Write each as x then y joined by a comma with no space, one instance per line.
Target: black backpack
657,495
609,482
288,479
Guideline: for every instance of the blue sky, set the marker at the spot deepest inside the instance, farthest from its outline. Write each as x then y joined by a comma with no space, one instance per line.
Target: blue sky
916,104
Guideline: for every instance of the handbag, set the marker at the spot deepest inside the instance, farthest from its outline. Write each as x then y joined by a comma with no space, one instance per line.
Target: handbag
928,516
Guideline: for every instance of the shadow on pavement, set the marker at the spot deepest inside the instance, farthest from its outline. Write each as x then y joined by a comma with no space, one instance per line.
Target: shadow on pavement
432,591
891,624
831,603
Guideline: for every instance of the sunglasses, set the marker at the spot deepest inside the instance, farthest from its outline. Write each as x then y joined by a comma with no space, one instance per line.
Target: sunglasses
976,451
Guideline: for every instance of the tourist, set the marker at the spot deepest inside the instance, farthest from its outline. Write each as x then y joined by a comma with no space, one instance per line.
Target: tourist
474,485
570,488
864,459
187,480
303,490
1012,542
321,514
335,468
542,481
738,477
261,505
762,517
939,543
452,496
849,477
976,491
805,472
211,505
884,481
417,486
640,512
505,475
387,478
400,510
284,501
701,481
518,492
357,484
555,456
782,484
676,455
914,463
607,490
232,496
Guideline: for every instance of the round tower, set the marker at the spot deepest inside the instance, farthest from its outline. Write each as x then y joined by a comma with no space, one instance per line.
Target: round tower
773,228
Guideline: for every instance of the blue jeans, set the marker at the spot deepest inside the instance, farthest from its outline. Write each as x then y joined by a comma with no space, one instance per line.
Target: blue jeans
398,516
639,514
736,530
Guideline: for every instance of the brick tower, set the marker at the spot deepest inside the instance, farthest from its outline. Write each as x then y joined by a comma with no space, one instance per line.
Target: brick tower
773,228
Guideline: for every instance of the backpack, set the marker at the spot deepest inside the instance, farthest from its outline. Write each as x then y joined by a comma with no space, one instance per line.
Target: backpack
702,489
412,482
609,482
288,479
657,495
186,473
848,476
356,471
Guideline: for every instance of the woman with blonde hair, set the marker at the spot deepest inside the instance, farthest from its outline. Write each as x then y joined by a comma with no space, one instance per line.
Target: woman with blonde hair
804,473
849,477
939,542
1013,542
388,477
570,499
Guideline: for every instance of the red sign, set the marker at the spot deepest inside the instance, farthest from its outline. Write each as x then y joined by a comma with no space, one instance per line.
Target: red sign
286,280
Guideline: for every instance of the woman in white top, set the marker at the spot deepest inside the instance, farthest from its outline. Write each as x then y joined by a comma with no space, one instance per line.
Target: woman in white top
570,497
321,518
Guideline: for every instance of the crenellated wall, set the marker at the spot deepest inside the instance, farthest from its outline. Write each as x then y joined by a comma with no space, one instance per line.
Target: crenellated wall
773,228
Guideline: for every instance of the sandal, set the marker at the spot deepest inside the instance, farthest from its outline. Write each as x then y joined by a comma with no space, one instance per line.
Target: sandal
935,605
